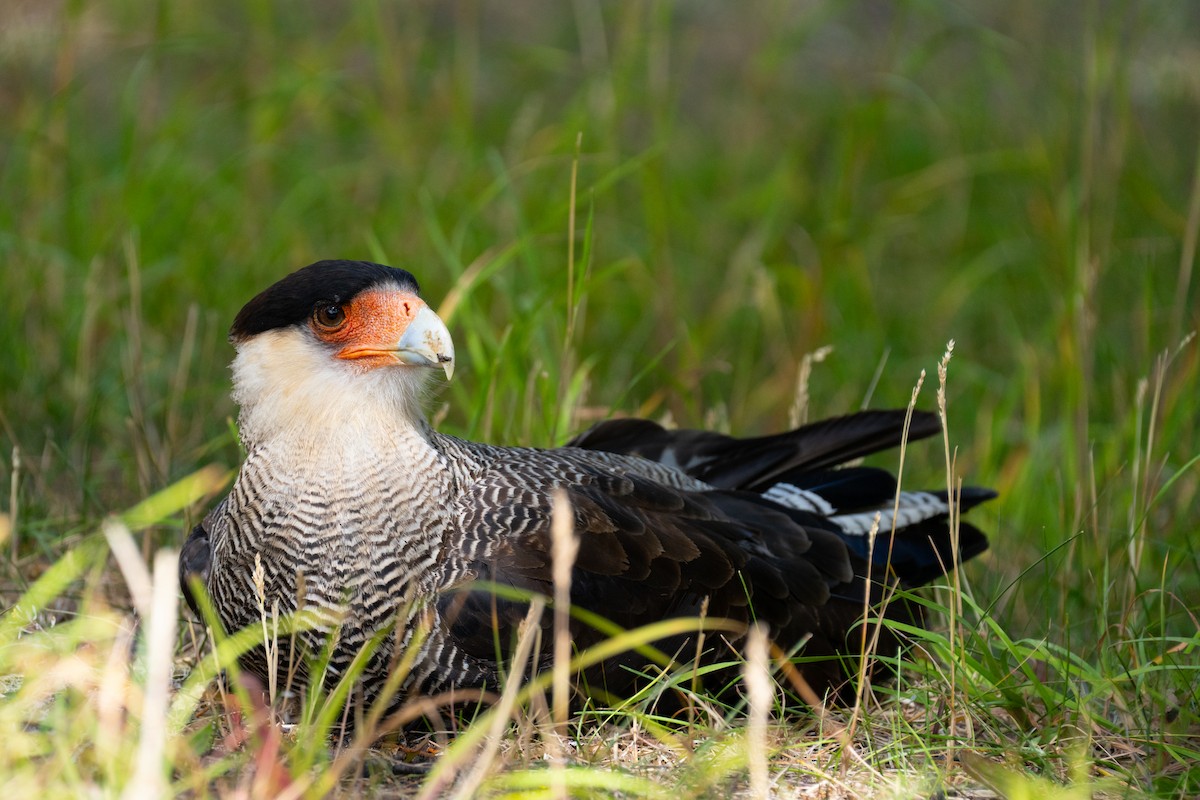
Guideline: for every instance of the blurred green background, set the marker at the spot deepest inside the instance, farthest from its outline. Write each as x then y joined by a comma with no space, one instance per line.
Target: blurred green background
754,182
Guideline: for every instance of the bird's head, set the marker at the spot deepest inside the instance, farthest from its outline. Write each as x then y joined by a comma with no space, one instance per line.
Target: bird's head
335,342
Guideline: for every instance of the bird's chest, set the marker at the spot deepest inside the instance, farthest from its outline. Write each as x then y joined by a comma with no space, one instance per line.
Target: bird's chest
350,539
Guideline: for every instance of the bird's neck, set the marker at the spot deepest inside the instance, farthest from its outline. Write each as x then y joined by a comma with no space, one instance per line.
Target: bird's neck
320,406
330,429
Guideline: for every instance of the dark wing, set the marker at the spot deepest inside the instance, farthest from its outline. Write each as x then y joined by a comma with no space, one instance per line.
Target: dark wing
757,462
796,469
647,552
195,560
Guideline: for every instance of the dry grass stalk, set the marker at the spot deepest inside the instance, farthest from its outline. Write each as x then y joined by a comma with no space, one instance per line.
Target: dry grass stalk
112,697
867,645
133,568
798,413
757,675
468,787
149,778
953,490
11,523
865,649
565,549
270,633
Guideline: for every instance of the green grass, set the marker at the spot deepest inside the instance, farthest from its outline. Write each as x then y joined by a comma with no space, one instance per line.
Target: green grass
1023,178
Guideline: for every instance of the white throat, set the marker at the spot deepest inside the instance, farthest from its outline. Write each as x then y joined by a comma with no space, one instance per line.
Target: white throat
290,387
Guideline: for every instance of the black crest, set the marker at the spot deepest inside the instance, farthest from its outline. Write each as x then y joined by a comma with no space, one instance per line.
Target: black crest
292,299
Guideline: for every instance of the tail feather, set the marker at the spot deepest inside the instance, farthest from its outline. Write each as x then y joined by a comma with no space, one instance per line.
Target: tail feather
834,491
755,463
797,471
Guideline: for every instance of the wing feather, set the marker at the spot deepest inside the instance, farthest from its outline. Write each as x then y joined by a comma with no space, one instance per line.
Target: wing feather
646,551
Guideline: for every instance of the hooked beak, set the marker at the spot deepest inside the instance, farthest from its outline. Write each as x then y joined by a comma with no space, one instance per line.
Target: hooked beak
388,328
426,343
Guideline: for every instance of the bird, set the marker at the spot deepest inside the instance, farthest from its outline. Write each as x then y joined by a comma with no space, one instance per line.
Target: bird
391,537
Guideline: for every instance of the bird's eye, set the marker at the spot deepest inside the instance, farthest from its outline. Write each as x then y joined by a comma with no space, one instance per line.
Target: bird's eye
329,316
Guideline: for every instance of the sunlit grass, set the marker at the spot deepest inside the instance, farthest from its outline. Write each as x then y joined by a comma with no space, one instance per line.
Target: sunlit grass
653,209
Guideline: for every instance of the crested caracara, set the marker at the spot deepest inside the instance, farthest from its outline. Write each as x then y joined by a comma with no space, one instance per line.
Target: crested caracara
384,530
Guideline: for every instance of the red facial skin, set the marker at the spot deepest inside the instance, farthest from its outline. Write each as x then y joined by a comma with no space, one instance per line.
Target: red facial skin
370,326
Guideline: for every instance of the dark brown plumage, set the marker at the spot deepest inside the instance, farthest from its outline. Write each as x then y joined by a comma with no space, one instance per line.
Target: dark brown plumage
367,518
